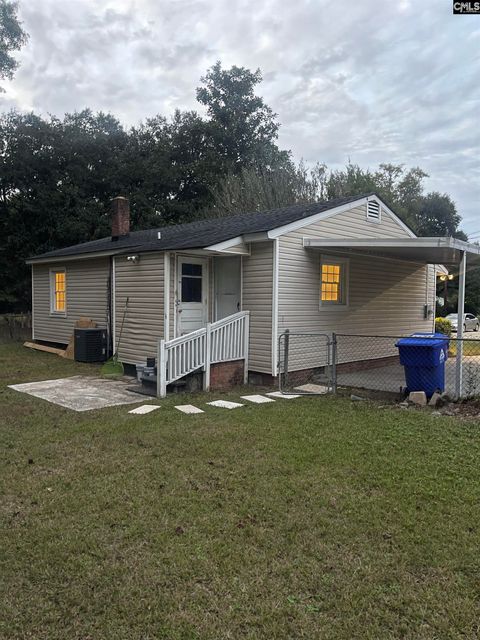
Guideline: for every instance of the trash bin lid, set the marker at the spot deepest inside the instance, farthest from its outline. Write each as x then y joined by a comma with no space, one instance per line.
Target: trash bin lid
431,340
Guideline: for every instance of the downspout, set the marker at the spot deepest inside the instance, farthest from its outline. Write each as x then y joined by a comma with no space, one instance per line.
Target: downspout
110,309
275,278
112,315
166,295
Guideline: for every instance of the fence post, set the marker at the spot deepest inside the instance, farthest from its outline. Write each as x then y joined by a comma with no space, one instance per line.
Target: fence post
460,321
334,363
161,370
246,339
286,349
206,377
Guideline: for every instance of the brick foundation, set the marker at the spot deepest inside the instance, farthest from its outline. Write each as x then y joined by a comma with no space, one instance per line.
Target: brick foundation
294,377
262,379
363,365
224,375
303,376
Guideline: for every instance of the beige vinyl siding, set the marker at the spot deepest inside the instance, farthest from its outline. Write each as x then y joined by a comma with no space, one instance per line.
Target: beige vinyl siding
143,284
432,289
87,290
353,224
385,297
257,298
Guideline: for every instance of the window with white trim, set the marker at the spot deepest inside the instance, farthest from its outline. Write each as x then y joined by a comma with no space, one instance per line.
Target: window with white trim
333,281
58,291
374,211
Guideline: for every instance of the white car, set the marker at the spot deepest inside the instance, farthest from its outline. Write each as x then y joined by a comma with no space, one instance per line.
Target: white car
470,322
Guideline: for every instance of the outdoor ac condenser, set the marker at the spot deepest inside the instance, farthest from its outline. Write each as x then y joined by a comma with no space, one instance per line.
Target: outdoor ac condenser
90,345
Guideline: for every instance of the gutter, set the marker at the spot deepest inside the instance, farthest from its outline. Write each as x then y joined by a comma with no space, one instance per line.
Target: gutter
72,256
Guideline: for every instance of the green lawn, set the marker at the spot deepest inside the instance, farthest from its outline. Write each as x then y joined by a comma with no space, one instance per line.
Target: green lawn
310,518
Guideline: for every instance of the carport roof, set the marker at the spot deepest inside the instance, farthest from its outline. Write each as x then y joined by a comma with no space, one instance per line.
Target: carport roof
446,251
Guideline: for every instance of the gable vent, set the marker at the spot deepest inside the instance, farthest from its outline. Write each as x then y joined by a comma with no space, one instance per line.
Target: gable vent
373,211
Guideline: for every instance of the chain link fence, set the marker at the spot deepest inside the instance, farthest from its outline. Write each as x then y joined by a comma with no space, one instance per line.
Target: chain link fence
306,363
376,363
315,363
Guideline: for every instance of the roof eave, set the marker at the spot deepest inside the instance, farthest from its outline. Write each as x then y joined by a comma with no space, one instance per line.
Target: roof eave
442,244
71,257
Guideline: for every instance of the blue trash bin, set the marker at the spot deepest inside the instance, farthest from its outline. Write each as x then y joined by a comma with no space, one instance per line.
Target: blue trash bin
423,356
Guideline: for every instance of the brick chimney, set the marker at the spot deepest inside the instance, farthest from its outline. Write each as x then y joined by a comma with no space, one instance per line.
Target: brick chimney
120,217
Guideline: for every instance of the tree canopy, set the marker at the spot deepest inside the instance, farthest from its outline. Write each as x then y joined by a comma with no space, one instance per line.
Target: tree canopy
428,214
12,38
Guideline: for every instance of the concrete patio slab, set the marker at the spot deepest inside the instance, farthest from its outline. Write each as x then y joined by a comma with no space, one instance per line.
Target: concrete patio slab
81,393
392,377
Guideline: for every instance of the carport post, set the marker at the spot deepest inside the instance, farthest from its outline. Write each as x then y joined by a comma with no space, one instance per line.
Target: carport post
460,312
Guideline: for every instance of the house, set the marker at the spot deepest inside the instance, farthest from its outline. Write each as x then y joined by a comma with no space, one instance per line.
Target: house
347,265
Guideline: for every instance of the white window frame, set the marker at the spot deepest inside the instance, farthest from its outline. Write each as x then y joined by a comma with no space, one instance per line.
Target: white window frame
53,310
374,220
344,264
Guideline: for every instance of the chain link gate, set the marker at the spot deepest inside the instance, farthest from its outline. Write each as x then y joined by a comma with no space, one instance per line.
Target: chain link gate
306,363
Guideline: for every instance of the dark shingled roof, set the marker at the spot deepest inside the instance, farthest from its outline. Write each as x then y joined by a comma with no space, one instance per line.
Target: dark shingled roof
201,233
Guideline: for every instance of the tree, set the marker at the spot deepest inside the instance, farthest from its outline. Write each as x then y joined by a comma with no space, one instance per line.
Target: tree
242,126
430,214
258,189
12,38
437,216
56,182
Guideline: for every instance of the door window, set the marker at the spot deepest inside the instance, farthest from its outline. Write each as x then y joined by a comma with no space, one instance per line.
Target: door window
191,282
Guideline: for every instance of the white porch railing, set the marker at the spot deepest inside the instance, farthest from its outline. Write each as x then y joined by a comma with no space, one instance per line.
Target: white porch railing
220,341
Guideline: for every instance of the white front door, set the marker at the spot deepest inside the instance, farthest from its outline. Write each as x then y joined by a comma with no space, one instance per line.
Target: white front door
227,286
192,294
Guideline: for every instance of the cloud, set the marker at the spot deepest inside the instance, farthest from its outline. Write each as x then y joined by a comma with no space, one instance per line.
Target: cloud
373,82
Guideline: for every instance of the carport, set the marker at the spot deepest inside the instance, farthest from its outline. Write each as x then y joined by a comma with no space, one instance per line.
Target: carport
446,251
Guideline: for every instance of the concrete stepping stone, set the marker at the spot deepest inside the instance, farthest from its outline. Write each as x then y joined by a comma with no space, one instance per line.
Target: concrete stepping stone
258,399
312,388
145,408
189,408
279,394
225,404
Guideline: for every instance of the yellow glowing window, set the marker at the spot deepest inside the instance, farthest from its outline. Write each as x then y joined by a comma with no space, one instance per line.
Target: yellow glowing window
59,291
333,283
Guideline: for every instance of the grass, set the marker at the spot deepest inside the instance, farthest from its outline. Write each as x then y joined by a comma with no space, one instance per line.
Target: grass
309,518
471,347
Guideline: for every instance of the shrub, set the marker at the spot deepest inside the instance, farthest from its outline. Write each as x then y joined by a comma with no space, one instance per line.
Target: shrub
442,325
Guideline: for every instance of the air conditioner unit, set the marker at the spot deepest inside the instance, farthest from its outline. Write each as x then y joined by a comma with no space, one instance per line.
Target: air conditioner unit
90,345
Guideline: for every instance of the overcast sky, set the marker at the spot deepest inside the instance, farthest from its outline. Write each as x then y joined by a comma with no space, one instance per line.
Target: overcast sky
367,80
